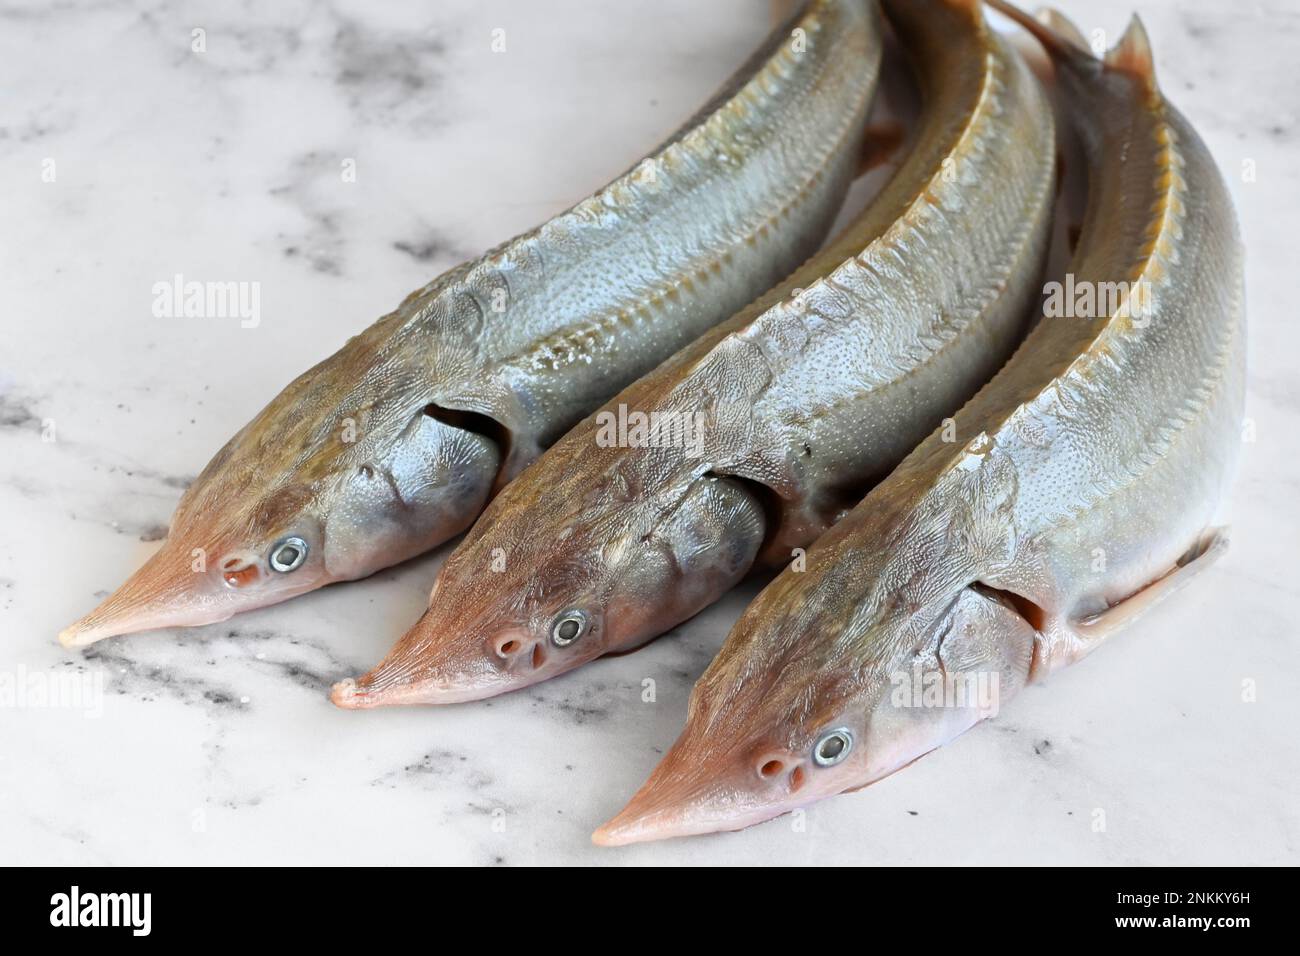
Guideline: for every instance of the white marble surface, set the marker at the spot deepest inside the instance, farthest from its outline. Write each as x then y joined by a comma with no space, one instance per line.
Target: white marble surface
218,745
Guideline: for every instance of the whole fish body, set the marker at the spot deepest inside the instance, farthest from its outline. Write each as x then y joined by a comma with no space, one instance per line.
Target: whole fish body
1083,488
799,402
394,444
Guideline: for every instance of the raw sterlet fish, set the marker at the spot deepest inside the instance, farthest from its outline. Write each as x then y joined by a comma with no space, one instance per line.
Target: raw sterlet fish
1083,489
777,420
394,444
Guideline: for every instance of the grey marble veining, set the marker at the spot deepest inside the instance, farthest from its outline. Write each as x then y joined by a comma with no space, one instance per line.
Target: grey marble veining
218,745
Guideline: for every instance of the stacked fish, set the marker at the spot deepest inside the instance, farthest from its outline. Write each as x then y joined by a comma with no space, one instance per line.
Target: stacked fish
967,486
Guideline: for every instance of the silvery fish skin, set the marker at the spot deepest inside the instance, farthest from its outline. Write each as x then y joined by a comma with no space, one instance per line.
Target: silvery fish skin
1084,489
394,444
795,406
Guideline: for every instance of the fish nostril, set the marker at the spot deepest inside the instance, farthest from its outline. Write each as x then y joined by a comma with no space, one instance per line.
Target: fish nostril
539,657
507,647
796,779
770,768
237,573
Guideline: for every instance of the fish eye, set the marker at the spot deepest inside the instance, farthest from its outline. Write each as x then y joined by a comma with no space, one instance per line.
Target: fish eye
288,554
568,627
832,747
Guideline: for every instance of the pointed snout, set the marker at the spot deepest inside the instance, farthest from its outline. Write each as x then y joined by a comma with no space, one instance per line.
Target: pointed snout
184,586
441,660
651,815
642,821
693,792
100,624
165,592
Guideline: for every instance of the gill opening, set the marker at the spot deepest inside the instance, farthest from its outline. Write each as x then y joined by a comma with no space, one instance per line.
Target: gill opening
1032,613
478,424
771,504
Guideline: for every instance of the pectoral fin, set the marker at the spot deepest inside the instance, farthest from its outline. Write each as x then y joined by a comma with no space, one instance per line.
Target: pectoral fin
1098,627
1064,643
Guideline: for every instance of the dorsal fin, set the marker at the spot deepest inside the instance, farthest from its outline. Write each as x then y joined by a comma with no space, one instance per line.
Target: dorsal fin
1061,39
1132,54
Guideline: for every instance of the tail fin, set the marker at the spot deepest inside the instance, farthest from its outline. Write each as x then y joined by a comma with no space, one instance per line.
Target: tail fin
1067,47
1132,54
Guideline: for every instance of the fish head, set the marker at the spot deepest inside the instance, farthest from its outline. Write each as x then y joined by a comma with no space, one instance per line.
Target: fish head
585,554
344,473
829,683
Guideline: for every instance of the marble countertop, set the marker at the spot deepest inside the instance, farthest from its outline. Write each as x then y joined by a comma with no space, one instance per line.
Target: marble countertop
128,157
